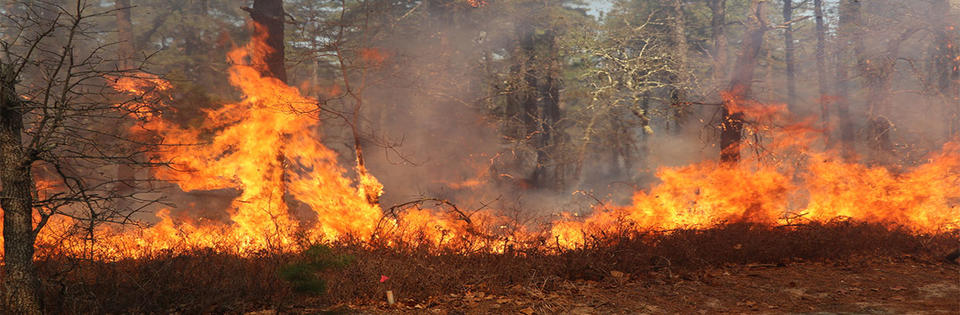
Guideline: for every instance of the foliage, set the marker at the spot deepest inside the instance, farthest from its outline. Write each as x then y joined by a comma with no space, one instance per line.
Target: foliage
303,274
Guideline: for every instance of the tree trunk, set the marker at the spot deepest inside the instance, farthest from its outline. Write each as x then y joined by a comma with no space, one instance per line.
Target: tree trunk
21,294
537,100
677,97
824,100
269,15
719,37
740,85
847,33
125,46
788,55
126,50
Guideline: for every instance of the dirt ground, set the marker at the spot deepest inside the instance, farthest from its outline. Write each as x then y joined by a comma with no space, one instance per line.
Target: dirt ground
904,285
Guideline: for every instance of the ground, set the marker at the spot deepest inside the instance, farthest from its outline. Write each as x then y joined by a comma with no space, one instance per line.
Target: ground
902,285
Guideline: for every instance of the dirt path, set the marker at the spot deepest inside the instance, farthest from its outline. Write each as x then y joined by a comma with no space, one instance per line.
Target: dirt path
874,286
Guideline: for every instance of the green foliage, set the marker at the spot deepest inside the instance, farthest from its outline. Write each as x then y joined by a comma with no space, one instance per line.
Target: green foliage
304,273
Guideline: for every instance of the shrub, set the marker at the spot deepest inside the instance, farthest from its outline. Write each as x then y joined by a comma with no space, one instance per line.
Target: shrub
304,274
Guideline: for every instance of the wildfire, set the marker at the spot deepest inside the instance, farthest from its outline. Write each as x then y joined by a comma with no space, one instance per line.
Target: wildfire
266,147
787,181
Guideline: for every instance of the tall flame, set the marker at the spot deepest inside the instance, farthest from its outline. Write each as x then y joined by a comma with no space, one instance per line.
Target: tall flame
268,147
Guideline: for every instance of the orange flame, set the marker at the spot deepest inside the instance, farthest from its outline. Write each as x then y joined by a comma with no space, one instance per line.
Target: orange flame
787,182
266,146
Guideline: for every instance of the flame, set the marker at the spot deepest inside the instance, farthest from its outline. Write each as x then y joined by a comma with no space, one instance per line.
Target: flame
266,147
477,3
787,181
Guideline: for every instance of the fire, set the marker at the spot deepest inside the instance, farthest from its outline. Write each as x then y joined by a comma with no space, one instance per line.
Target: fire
788,181
267,148
477,3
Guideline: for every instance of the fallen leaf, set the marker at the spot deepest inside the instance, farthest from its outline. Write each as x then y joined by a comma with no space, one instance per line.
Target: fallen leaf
527,311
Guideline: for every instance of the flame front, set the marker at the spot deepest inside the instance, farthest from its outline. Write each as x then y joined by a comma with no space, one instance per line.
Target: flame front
785,181
267,148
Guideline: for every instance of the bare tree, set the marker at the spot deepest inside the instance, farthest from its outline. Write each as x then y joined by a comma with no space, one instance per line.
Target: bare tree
55,100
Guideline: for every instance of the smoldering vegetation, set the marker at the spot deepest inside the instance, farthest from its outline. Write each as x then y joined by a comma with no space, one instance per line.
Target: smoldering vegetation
539,112
205,281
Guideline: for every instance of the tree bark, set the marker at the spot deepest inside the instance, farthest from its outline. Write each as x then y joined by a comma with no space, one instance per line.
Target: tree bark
269,15
21,288
740,85
824,99
789,55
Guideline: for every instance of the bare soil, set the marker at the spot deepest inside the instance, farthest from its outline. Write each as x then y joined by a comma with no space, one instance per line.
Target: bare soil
901,285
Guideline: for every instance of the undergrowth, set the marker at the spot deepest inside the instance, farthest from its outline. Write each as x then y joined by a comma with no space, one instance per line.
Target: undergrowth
350,271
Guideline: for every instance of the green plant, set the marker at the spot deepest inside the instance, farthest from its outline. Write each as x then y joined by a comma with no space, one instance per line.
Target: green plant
304,273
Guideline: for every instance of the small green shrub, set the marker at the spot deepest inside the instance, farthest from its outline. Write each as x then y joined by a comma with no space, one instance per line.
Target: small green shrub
304,273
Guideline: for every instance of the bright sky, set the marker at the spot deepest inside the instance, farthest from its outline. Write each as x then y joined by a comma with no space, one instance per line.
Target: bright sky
597,6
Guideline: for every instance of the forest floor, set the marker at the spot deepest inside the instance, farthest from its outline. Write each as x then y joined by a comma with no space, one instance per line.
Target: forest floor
901,285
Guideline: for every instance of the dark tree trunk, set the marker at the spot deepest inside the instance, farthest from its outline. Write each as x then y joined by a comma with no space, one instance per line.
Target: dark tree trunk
740,85
848,34
788,55
537,99
824,100
269,15
21,294
126,47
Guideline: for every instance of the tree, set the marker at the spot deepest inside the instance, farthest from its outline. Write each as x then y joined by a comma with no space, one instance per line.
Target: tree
126,43
822,84
535,97
53,106
269,15
788,59
679,36
740,84
945,65
848,36
718,34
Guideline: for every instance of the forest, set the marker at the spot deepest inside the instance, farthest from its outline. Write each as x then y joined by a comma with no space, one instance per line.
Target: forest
479,156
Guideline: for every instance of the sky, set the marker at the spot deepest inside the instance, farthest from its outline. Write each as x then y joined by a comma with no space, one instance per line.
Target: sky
598,6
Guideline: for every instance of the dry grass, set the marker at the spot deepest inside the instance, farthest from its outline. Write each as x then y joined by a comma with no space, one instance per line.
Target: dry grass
207,281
